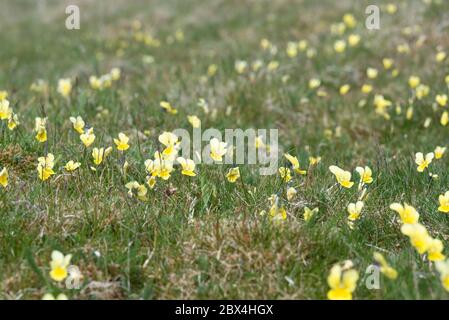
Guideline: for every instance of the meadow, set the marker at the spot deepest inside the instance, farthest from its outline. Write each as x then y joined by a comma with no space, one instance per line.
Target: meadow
95,202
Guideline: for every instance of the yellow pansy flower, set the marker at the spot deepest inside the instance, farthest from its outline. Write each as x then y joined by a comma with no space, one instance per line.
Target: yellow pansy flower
78,124
434,252
151,181
407,213
385,268
419,237
353,40
372,73
5,110
342,283
64,87
414,81
49,296
88,137
439,152
285,174
354,210
387,63
443,269
194,121
188,166
58,265
422,91
240,66
444,202
440,56
4,175
314,160
166,106
365,174
344,89
367,88
277,213
295,163
40,128
45,166
340,46
233,174
137,190
72,165
217,149
309,213
13,121
444,118
122,142
291,193
170,141
441,99
99,155
314,83
422,162
343,177
349,20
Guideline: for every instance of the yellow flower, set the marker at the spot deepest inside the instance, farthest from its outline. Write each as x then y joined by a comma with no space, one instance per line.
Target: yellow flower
439,152
291,193
3,95
45,166
342,283
444,118
4,177
233,174
151,181
391,8
122,142
100,155
40,128
349,20
194,121
295,164
340,46
435,249
212,70
49,296
419,237
170,141
217,149
277,213
422,91
308,213
344,89
444,202
443,269
367,88
388,63
168,107
64,87
353,40
407,213
5,110
440,56
160,166
13,121
354,210
372,73
313,161
78,124
414,82
292,49
385,268
88,137
441,99
137,190
188,166
95,83
115,74
240,66
314,83
285,174
365,174
58,265
343,177
72,166
422,162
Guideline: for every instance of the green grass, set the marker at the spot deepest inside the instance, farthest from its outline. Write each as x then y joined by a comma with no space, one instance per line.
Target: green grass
202,237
